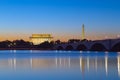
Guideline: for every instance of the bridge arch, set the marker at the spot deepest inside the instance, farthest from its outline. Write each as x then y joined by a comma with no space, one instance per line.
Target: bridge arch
116,47
98,47
60,48
81,47
69,47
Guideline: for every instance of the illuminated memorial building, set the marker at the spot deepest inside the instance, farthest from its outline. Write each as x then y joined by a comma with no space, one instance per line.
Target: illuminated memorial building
40,38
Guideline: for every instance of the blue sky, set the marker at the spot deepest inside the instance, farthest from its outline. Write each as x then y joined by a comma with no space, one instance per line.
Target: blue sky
62,18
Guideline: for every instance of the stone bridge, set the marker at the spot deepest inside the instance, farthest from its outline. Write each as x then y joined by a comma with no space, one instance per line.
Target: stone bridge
97,45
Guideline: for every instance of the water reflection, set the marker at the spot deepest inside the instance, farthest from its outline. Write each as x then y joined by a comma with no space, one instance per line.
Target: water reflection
85,64
106,65
118,65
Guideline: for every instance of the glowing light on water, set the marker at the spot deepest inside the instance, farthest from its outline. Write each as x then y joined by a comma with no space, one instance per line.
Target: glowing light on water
14,63
88,63
69,62
10,62
60,61
56,62
56,51
31,51
80,63
96,63
81,51
106,65
14,51
31,62
106,52
118,52
118,63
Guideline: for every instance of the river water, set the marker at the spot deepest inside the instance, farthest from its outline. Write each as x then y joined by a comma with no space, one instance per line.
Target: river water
59,65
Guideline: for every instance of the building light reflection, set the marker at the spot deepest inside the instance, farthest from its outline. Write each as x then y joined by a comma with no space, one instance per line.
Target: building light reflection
118,64
106,65
88,63
96,63
31,63
14,51
14,63
69,62
10,62
56,62
80,63
60,62
81,51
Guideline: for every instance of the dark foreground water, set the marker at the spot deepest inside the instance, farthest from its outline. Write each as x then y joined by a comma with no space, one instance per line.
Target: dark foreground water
59,65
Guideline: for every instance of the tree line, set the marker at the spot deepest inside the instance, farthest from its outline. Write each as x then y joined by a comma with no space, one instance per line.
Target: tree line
22,44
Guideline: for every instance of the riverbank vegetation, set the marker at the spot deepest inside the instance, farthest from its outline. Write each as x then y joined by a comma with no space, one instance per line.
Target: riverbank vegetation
26,45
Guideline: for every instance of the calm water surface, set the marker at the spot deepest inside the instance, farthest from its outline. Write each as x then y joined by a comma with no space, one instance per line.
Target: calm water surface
59,65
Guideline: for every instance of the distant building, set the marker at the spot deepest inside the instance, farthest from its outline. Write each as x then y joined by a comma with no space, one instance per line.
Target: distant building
40,38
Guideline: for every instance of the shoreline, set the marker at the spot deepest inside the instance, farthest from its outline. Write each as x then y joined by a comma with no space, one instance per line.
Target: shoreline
41,49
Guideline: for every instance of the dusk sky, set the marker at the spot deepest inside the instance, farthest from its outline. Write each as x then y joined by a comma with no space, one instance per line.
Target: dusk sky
19,19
